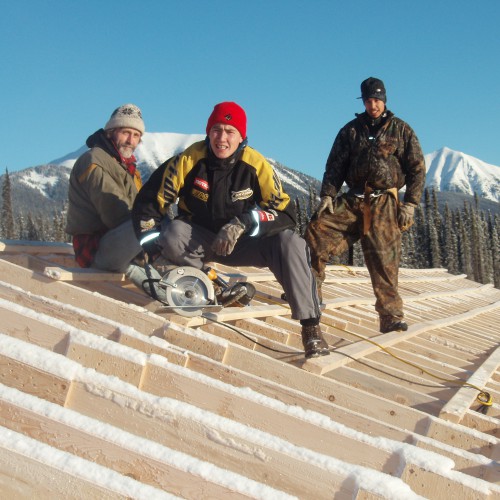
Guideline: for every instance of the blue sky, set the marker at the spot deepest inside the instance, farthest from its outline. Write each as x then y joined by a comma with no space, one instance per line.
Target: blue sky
295,66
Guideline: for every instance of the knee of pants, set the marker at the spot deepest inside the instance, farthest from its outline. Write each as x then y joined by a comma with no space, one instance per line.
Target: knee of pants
291,243
172,238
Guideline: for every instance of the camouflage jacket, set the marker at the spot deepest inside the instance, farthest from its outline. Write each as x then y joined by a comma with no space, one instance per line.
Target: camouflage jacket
391,157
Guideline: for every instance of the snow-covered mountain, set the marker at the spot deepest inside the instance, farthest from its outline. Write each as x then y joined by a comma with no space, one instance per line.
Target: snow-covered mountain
449,170
44,187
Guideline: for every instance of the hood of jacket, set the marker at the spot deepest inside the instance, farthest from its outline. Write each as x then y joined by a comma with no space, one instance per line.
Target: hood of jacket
99,140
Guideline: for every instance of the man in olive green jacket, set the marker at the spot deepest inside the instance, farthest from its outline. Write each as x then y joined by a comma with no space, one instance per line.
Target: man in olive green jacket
103,185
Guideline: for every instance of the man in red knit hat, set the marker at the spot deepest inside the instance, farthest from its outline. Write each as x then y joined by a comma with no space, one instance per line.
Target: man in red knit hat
231,209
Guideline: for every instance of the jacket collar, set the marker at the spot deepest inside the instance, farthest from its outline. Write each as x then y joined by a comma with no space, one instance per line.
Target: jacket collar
225,163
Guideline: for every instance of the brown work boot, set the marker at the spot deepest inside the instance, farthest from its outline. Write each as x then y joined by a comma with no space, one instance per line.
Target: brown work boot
390,324
314,343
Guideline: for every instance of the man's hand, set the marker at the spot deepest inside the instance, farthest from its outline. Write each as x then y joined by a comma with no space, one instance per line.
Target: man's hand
326,204
149,243
227,237
405,216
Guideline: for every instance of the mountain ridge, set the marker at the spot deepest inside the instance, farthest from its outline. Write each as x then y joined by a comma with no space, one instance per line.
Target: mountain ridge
43,188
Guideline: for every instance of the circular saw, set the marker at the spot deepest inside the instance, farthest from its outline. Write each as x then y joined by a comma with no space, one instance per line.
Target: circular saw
189,291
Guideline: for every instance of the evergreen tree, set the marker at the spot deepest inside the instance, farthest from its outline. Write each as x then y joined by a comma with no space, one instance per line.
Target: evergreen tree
449,248
301,218
57,233
313,201
421,240
21,228
465,254
476,246
41,229
7,227
31,232
487,250
495,250
435,248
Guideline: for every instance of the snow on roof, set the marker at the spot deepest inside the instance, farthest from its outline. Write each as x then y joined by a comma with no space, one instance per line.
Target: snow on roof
452,350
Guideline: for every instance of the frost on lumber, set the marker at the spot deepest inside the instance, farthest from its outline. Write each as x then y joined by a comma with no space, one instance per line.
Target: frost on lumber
95,377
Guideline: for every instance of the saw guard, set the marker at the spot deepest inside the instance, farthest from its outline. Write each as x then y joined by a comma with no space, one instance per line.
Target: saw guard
188,290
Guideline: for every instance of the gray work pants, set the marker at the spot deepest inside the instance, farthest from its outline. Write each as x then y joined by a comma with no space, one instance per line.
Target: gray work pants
285,254
117,248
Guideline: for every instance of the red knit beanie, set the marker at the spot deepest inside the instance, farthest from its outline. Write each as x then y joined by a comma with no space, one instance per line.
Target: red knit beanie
229,113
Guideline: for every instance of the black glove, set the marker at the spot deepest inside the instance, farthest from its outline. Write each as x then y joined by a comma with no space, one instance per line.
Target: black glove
227,237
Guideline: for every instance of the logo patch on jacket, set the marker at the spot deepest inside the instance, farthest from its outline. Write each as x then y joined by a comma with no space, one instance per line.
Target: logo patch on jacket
202,184
199,194
241,195
146,225
267,216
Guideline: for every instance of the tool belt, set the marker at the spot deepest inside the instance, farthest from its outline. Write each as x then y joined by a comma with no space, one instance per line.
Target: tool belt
369,194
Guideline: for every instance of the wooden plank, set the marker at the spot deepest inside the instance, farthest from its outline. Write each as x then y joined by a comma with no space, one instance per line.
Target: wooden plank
439,365
361,349
91,302
25,477
168,380
110,447
146,345
235,313
456,407
242,359
92,353
19,326
487,422
164,379
362,402
402,279
35,247
218,441
287,395
465,462
81,274
32,380
392,387
461,437
429,346
432,485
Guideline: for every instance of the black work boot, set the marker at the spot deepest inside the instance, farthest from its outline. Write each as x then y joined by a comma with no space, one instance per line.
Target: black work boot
314,343
390,324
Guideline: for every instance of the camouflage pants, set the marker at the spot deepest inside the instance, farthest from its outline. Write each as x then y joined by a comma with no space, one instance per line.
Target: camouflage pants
332,234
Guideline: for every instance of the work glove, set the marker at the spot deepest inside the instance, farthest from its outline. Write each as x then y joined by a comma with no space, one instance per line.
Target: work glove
326,204
227,237
405,216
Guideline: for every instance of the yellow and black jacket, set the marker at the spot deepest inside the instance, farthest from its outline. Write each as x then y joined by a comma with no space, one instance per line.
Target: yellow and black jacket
210,192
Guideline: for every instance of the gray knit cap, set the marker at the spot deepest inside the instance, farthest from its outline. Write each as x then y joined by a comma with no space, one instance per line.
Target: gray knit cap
126,116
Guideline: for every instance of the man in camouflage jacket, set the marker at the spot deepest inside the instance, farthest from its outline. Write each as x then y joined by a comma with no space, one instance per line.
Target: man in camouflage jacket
375,155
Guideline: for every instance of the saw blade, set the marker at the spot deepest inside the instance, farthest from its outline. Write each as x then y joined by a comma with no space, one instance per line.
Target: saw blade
188,290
